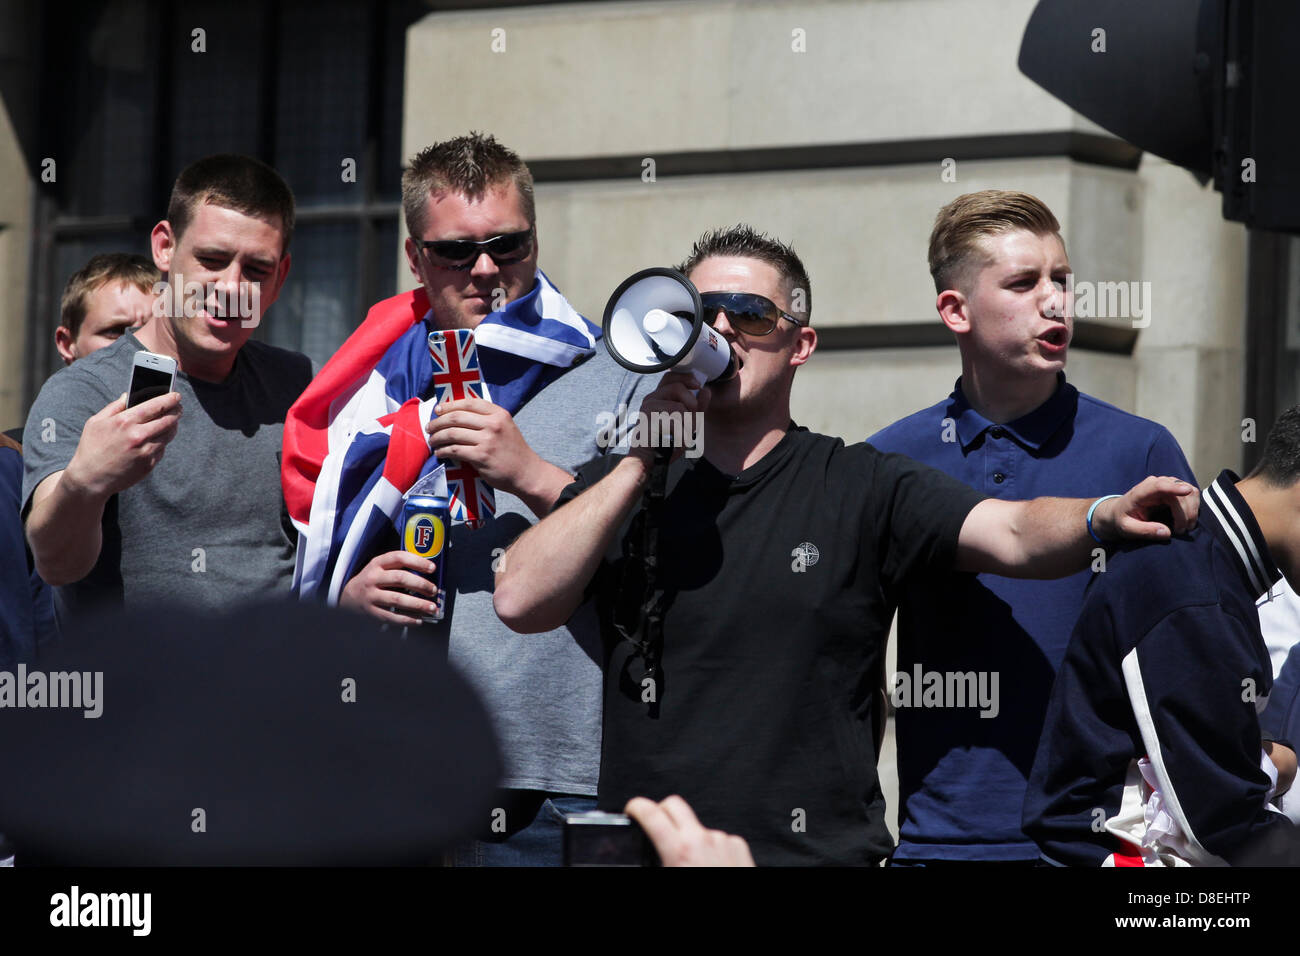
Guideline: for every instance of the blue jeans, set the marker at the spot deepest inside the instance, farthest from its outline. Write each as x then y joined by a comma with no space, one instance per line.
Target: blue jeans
534,833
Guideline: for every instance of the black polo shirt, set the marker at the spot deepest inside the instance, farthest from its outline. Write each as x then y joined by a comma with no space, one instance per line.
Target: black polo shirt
781,586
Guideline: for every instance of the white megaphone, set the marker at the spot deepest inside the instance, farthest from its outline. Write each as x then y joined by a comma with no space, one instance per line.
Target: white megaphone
654,322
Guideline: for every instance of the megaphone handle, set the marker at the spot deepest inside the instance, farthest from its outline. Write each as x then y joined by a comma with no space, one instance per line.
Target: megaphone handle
652,615
655,488
657,483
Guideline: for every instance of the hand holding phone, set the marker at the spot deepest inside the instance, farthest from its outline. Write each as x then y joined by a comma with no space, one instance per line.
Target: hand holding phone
120,444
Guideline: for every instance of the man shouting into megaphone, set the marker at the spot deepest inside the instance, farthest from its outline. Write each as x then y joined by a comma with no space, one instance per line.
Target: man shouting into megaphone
780,555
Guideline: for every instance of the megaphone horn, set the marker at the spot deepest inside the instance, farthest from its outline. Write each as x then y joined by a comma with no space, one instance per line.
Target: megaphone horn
654,321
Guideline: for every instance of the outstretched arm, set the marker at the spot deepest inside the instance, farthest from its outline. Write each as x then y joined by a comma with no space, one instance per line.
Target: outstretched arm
1048,537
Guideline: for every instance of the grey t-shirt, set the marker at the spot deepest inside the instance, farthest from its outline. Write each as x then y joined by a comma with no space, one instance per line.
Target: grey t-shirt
208,526
543,690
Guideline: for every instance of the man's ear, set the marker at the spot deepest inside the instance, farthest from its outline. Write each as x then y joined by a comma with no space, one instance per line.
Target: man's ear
953,310
162,242
413,258
805,345
64,342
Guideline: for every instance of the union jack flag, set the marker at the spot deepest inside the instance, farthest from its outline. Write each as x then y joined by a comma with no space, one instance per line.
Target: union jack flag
472,499
456,374
348,458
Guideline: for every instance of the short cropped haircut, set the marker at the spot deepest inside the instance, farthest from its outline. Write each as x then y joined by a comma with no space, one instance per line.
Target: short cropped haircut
468,165
746,242
960,225
1280,464
99,272
231,181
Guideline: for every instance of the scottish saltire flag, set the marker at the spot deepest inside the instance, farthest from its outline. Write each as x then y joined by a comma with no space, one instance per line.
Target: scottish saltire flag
456,375
355,440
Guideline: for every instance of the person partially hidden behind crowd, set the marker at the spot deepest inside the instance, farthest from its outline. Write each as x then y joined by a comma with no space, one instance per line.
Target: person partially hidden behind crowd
111,293
26,603
111,518
1153,752
757,701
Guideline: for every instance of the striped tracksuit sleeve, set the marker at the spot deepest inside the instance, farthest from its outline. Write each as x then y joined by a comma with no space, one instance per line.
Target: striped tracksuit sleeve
1182,696
1192,683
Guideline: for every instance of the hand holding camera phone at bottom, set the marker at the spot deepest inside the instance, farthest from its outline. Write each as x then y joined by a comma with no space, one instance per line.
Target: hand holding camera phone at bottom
119,446
681,840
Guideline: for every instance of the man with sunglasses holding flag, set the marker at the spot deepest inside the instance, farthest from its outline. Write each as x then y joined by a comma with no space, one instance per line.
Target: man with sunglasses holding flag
780,556
510,416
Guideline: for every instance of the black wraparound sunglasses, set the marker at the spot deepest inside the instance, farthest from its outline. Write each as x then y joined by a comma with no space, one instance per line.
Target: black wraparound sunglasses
746,312
461,254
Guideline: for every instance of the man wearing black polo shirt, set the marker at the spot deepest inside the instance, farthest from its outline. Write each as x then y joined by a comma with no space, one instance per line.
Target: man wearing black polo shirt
781,553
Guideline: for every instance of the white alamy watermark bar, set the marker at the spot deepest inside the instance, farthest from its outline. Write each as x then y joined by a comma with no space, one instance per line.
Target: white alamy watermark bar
651,430
946,689
78,909
173,299
1107,300
82,690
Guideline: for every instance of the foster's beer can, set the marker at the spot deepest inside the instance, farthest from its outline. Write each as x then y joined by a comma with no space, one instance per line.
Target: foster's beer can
425,519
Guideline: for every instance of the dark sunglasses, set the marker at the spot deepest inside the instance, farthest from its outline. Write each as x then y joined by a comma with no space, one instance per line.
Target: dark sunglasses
461,254
745,311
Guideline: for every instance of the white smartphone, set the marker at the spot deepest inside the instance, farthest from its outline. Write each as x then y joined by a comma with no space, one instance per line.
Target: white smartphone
151,375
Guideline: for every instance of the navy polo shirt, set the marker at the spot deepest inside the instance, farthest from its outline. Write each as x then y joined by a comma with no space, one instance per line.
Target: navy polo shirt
26,601
963,764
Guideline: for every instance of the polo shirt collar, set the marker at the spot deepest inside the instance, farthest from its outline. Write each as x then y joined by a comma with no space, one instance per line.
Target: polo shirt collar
1031,430
1237,525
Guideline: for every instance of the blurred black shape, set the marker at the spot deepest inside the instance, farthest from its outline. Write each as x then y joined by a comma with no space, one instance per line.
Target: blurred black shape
1210,85
243,716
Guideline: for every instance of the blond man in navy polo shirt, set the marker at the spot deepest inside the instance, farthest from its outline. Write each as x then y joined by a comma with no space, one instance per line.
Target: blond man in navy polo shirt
1013,428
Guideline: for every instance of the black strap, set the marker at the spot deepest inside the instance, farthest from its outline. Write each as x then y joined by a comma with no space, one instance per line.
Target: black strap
639,609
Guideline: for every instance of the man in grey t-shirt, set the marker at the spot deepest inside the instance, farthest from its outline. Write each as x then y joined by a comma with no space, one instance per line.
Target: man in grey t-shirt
473,246
108,519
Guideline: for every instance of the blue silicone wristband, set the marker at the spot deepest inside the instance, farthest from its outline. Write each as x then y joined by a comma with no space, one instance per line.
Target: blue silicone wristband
1094,508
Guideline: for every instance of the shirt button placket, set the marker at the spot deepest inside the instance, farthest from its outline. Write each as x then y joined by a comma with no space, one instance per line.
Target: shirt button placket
999,455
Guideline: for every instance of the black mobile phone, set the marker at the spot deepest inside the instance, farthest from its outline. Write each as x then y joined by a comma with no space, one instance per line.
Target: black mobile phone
606,839
151,375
